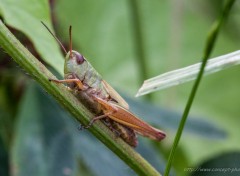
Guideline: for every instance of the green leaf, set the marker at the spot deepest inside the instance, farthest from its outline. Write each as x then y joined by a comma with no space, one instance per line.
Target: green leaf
221,165
91,151
3,159
26,16
41,139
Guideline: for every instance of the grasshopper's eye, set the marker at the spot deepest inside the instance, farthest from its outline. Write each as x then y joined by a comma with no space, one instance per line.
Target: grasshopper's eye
79,59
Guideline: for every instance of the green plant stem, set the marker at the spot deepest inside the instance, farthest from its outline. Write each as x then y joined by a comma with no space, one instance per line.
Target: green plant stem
40,73
138,42
207,51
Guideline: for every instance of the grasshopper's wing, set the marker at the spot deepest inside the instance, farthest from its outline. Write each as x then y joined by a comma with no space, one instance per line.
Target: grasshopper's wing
126,118
113,93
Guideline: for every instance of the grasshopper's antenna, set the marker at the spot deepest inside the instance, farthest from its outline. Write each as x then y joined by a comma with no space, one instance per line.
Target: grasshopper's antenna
55,37
70,40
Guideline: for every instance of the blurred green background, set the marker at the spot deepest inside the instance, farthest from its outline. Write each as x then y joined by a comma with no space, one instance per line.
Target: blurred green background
38,138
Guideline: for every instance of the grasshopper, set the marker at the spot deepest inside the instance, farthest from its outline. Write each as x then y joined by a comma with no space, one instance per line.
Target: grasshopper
101,99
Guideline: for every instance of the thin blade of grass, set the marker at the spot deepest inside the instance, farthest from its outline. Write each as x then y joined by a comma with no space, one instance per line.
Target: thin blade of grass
211,39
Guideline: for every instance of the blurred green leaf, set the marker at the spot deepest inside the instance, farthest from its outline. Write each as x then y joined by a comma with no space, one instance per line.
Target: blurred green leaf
92,151
221,165
4,170
25,15
42,139
96,157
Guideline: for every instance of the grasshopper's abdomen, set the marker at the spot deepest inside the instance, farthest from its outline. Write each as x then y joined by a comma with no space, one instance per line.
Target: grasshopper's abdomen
127,134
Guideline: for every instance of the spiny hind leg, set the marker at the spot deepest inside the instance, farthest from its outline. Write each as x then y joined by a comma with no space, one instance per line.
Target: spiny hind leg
108,111
94,120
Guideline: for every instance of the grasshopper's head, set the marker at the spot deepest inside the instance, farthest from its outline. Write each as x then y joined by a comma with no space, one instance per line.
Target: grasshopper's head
76,64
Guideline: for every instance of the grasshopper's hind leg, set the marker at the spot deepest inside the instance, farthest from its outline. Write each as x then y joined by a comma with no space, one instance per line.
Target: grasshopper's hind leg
110,110
94,120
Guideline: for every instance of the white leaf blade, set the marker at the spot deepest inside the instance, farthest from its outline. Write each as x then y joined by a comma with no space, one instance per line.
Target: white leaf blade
188,73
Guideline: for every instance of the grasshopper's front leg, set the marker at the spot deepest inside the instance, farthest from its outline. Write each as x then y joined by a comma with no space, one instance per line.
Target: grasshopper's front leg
73,80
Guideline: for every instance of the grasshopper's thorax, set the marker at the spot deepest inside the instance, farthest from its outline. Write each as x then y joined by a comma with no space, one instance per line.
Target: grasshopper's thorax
77,66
